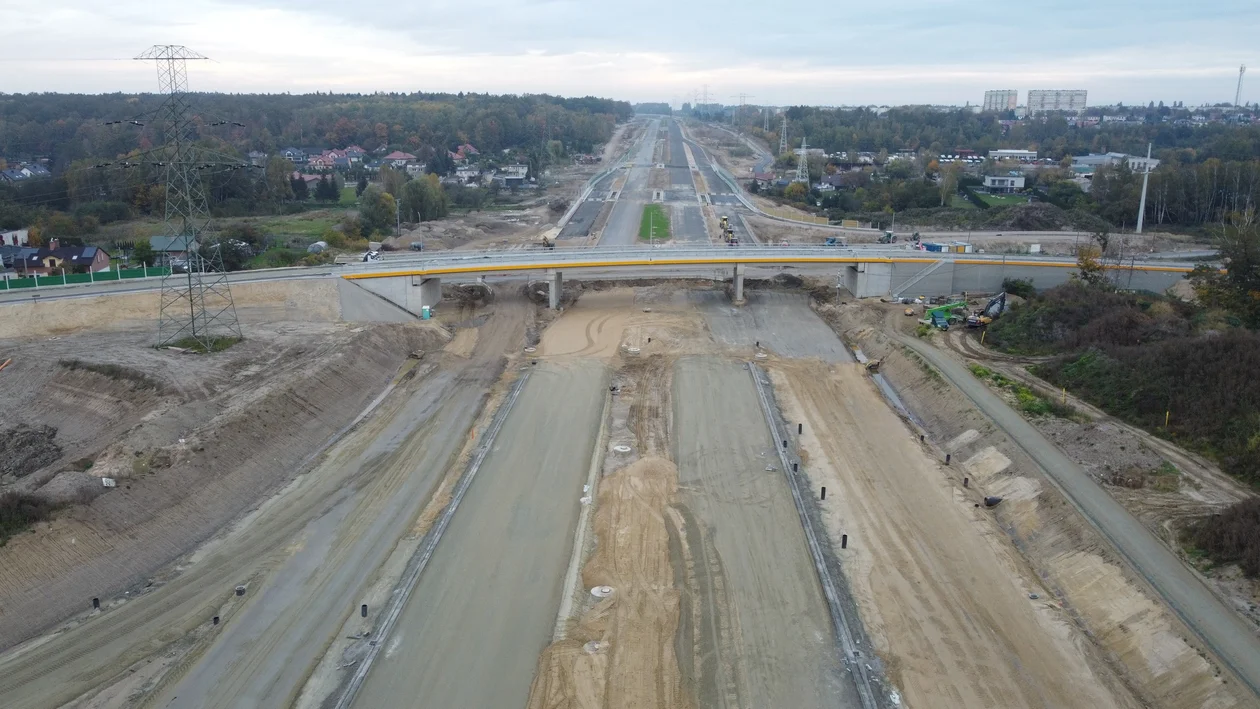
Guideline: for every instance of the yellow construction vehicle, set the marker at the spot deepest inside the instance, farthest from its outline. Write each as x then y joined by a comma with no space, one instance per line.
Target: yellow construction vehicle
726,224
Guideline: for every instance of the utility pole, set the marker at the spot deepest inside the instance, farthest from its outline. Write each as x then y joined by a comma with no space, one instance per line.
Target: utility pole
783,136
1242,69
765,119
397,217
802,165
1146,179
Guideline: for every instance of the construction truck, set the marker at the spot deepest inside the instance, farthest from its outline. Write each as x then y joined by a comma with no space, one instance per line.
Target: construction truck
548,243
726,224
836,241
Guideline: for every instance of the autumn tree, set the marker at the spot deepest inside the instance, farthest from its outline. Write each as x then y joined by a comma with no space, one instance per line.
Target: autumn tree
376,211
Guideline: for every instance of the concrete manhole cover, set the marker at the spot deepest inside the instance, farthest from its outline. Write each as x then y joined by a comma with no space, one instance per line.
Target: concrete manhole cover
602,591
531,350
621,449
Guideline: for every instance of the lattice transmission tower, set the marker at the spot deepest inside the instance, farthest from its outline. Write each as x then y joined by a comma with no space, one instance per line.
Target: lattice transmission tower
1242,69
802,165
783,137
196,306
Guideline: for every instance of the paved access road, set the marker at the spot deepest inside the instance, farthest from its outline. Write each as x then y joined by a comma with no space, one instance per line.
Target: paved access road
1220,628
765,638
486,604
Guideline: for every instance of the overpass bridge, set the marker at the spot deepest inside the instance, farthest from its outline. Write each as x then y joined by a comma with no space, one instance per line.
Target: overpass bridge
413,282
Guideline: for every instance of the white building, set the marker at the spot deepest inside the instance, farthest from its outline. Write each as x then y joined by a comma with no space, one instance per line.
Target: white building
1042,100
1001,100
1024,155
19,237
1003,184
1136,163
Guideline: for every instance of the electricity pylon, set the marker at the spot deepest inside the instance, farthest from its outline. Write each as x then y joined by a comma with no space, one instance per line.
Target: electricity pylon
783,137
196,307
802,165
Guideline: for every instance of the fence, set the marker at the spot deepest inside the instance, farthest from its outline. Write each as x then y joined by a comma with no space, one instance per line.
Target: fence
17,281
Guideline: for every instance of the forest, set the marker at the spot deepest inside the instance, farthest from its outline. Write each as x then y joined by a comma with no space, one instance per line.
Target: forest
105,150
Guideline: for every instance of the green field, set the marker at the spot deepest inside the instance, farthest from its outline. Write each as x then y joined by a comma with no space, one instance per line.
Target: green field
348,197
655,224
1003,200
308,224
960,202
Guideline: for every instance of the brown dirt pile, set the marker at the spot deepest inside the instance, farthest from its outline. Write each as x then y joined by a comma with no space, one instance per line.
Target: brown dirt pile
620,653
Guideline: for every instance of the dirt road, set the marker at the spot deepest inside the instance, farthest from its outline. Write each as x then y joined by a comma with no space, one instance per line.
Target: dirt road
1222,630
938,587
486,604
302,555
753,607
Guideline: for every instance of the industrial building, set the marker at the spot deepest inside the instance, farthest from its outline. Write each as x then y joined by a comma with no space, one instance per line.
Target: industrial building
1001,100
1042,100
1022,155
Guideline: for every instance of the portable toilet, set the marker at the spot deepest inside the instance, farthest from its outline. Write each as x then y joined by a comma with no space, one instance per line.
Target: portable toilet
424,312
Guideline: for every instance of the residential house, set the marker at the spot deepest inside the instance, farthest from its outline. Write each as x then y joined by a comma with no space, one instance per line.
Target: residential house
36,171
171,249
398,159
468,174
415,169
17,237
463,152
310,180
297,156
512,175
1003,184
57,259
341,163
319,162
13,175
257,158
11,256
355,154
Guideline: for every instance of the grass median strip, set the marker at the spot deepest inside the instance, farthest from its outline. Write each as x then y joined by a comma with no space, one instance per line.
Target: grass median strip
655,223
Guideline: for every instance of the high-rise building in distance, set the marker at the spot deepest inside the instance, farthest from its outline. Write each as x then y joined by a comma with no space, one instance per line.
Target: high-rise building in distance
1001,100
1041,100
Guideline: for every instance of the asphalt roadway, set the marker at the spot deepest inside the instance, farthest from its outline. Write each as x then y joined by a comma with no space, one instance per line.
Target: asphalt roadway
622,228
1220,628
485,606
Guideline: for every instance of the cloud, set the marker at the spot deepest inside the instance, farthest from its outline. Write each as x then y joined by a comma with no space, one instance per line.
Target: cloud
907,51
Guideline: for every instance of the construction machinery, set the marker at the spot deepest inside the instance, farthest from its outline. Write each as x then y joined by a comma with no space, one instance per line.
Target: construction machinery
989,312
836,241
548,243
939,316
888,238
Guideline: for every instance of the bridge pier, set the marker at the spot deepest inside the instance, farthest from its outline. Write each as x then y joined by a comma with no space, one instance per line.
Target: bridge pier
556,280
411,293
739,284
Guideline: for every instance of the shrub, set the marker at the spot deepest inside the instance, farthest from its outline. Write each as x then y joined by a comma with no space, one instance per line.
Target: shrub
1019,286
20,510
1232,536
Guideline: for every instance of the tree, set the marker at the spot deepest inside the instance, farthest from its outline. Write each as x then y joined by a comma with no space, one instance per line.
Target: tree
1238,288
376,211
1092,272
797,191
300,191
949,181
392,181
276,185
360,186
143,253
441,163
326,190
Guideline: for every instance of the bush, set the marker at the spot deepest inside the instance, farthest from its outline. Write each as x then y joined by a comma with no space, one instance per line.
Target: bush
1019,286
1232,536
20,510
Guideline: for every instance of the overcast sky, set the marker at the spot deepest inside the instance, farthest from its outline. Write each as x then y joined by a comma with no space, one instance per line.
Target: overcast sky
830,53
